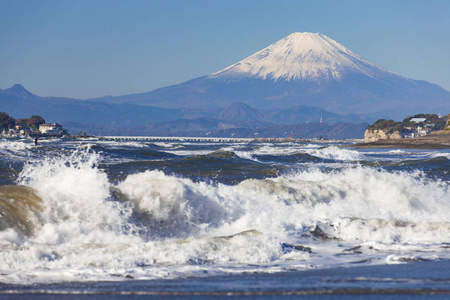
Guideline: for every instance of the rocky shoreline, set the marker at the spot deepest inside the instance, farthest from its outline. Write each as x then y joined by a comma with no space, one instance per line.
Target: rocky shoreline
435,140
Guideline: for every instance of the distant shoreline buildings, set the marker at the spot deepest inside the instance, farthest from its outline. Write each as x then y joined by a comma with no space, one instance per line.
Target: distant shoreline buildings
411,127
32,127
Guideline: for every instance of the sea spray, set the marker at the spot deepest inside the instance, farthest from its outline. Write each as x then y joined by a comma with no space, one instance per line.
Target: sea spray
344,198
335,153
171,206
76,196
152,223
176,207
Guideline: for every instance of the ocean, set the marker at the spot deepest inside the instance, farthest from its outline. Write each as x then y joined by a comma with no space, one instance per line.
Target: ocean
114,218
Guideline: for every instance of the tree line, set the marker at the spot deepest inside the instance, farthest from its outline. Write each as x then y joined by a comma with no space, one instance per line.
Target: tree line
433,121
8,122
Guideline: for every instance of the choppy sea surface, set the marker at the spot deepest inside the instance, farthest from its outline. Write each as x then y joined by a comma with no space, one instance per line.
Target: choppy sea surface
216,219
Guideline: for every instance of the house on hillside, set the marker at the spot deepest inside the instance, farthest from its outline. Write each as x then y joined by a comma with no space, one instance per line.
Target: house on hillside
51,129
418,120
22,131
15,132
409,132
422,127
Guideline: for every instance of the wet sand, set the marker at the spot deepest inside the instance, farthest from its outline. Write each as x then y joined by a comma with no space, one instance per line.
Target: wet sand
435,140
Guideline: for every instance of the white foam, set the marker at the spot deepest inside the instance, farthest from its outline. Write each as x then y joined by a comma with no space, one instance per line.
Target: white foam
167,227
15,145
440,154
178,207
75,194
187,152
165,145
16,149
121,144
336,153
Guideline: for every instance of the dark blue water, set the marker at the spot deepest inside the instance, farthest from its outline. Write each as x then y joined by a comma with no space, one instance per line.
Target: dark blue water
108,218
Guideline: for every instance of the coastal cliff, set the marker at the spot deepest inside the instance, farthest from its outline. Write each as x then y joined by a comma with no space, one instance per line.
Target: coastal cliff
379,134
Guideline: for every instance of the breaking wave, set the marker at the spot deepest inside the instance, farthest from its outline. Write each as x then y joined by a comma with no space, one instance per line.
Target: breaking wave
67,220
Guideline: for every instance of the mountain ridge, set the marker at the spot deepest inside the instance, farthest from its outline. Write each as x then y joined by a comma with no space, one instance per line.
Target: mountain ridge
101,118
19,91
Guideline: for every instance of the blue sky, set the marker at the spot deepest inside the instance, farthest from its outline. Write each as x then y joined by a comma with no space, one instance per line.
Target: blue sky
92,48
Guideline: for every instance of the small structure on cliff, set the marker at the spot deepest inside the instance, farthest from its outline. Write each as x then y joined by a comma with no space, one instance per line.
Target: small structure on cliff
51,129
417,120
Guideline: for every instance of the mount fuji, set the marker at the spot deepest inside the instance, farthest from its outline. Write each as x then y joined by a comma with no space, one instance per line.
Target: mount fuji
302,69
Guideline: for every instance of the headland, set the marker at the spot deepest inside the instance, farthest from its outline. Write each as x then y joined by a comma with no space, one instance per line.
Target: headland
434,140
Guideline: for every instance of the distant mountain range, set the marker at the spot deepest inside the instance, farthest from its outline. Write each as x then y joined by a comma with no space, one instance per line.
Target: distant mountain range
131,119
305,78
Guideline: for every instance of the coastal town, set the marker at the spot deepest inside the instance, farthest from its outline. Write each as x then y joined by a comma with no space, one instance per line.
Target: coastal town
35,126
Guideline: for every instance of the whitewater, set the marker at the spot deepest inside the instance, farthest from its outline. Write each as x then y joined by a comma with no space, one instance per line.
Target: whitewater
98,210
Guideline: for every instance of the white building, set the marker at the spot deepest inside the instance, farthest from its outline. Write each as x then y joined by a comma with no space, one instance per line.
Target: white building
48,128
418,120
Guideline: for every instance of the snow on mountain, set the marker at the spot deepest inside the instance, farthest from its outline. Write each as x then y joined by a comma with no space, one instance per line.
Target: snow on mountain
301,55
302,69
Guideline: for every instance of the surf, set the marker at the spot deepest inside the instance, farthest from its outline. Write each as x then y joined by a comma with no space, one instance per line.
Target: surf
69,217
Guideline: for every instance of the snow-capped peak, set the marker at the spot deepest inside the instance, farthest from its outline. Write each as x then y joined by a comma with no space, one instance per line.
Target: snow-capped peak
301,55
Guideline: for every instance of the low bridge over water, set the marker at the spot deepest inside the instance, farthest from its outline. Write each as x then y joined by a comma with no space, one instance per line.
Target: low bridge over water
174,138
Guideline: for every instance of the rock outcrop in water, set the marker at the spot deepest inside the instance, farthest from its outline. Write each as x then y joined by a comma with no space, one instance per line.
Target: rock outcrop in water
19,208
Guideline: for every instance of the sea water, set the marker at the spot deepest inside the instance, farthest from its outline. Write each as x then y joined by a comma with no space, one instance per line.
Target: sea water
116,217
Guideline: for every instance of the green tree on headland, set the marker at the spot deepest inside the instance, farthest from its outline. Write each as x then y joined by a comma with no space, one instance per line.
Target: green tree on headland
6,121
386,125
433,121
32,122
